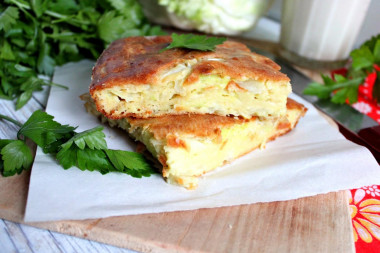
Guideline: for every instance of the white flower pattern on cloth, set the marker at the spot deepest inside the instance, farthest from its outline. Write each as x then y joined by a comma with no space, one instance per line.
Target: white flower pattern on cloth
372,190
362,107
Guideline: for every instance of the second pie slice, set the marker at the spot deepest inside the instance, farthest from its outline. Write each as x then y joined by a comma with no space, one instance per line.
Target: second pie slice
187,146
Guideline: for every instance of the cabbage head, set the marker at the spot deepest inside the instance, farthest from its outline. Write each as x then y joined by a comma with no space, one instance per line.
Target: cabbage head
210,16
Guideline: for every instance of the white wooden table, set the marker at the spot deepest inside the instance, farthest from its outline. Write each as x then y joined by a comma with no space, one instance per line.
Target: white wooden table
16,237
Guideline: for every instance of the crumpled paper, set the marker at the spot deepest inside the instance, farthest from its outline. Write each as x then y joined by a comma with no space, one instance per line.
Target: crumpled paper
312,159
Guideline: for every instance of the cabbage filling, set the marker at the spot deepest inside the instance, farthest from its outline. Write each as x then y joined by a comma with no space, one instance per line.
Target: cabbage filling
212,94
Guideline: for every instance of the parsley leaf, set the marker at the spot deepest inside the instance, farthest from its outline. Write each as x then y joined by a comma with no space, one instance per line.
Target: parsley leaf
86,150
112,26
8,17
105,161
43,130
16,157
131,163
67,157
64,6
45,64
23,98
39,7
371,43
362,58
92,138
90,153
89,159
4,142
196,42
6,51
84,159
28,87
347,89
319,90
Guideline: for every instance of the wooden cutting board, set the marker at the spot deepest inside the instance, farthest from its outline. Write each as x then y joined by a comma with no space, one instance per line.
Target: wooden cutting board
315,224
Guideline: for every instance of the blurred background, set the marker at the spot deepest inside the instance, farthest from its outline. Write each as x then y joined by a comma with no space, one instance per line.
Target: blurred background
317,34
269,26
260,19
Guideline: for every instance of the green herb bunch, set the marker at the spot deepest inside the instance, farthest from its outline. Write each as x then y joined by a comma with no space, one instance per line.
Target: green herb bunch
86,150
38,35
341,89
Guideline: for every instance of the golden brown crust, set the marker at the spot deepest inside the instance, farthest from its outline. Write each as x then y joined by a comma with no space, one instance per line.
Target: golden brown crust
283,125
136,60
292,104
162,159
201,125
286,126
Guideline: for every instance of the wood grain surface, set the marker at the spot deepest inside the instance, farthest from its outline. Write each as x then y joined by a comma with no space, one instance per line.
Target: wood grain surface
15,237
315,224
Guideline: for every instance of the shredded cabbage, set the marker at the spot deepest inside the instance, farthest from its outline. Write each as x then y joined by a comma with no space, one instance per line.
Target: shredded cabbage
210,16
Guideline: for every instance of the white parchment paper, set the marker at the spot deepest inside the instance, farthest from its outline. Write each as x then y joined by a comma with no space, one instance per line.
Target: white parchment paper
314,158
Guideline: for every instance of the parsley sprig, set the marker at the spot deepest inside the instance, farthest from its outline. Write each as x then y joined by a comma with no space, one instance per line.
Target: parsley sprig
195,42
341,89
36,36
86,150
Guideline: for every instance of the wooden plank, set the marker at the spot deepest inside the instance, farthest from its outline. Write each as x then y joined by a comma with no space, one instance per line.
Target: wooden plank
18,238
72,244
320,223
13,193
40,240
6,242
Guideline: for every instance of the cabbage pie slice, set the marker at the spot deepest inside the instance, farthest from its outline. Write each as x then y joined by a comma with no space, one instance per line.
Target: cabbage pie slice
188,146
132,78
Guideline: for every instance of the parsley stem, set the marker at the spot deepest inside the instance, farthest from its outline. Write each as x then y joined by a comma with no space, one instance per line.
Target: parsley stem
50,13
348,83
58,85
10,120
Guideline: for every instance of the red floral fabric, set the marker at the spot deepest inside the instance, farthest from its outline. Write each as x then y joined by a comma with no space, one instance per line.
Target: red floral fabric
365,202
366,104
365,215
